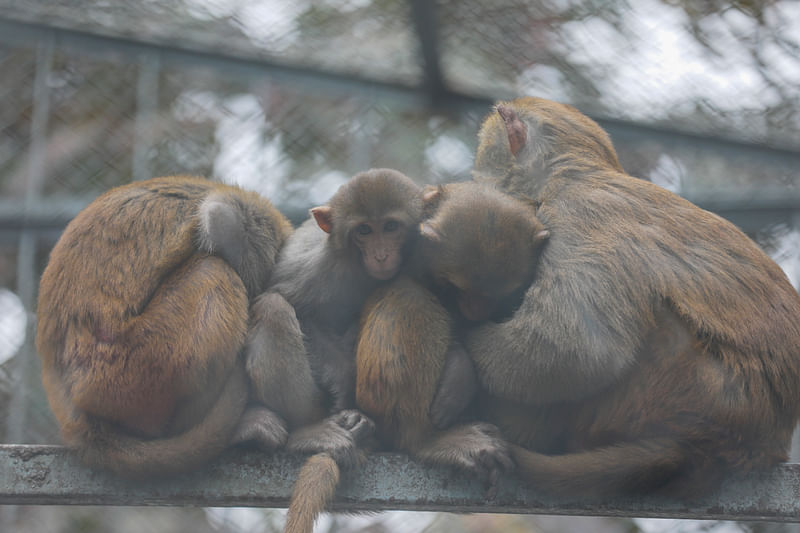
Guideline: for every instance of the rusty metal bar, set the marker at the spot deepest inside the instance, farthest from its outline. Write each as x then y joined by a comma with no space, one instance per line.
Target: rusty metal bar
51,475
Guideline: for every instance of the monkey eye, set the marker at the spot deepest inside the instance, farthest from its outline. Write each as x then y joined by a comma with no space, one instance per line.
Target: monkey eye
391,225
363,229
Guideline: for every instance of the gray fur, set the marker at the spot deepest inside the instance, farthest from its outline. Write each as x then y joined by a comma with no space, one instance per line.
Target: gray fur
242,233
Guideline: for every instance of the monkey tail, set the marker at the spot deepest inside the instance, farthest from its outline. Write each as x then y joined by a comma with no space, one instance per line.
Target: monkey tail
627,467
105,447
315,486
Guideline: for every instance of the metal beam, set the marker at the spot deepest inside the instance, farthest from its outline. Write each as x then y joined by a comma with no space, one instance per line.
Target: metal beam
50,475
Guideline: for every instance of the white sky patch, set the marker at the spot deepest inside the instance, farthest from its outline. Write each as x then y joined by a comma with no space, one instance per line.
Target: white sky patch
787,255
268,22
547,80
668,173
271,21
325,186
663,525
13,321
240,519
448,155
247,156
245,520
655,67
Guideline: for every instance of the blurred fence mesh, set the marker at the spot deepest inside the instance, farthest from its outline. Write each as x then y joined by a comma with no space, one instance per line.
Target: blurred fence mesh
292,98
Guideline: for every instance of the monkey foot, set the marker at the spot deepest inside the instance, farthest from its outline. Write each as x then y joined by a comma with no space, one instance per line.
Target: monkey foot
356,423
261,426
482,451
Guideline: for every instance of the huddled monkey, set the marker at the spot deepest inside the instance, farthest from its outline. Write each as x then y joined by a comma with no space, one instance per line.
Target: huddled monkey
141,322
656,349
409,338
308,319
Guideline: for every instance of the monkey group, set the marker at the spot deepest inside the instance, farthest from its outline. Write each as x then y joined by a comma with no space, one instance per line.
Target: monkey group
553,316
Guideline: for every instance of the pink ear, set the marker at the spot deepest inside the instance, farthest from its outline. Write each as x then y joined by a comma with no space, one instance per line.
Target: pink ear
429,232
542,235
324,217
515,128
431,193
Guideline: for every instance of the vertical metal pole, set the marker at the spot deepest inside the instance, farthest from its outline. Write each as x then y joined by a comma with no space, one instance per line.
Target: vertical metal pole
27,276
147,88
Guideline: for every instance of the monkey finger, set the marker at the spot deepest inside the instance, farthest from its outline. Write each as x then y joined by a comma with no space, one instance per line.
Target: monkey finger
348,419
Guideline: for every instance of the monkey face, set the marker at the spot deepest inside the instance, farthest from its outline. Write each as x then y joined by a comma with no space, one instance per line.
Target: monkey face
381,243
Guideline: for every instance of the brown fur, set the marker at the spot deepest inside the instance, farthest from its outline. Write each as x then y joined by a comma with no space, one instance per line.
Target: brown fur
139,330
315,486
657,347
406,341
350,246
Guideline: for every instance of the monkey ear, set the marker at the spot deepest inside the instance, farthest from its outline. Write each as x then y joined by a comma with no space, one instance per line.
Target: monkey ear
429,232
324,216
431,198
515,128
432,195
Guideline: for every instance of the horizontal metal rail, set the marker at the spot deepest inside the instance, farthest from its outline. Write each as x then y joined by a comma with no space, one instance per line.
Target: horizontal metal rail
51,475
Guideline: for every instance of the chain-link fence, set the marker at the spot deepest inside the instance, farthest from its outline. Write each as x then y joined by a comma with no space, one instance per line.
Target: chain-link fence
291,98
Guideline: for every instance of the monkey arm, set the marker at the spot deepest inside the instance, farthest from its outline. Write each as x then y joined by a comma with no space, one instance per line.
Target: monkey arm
277,363
574,334
333,362
457,387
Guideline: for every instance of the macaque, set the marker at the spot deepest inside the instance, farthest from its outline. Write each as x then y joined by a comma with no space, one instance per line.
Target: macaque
656,349
140,324
309,315
408,337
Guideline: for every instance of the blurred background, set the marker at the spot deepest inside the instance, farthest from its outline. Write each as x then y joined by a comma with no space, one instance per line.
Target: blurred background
292,98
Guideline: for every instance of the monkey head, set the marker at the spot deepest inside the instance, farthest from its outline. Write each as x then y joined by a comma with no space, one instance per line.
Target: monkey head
533,134
480,244
373,216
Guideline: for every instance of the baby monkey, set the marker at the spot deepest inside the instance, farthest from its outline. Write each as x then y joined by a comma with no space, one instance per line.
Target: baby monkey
407,357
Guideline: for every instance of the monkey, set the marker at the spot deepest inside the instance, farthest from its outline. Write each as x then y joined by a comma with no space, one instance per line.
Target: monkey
327,269
655,350
141,322
347,248
407,330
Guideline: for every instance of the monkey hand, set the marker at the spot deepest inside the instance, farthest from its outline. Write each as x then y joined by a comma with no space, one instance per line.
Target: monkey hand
339,435
261,426
457,387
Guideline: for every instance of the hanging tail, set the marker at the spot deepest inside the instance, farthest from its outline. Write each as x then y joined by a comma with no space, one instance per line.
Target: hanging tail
316,484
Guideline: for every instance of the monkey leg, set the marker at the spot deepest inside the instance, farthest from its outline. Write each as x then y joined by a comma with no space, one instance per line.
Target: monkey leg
403,343
104,445
160,371
277,362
